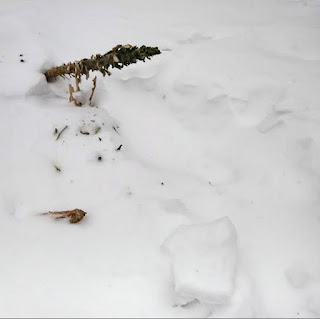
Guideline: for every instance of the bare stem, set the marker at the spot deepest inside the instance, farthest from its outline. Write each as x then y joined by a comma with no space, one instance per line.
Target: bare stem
62,132
93,89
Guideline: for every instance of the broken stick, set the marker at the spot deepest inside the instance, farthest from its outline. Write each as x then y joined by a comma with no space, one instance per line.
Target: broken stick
61,132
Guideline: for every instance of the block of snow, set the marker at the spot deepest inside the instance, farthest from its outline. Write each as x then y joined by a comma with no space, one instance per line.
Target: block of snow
204,260
297,276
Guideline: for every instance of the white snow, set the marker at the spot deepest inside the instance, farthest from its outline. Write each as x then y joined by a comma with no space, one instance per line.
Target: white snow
204,259
219,131
297,276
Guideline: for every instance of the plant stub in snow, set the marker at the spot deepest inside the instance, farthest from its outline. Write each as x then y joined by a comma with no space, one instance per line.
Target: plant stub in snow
74,215
119,57
61,131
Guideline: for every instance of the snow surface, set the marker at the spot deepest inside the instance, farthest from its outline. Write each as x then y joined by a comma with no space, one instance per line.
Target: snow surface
204,262
223,125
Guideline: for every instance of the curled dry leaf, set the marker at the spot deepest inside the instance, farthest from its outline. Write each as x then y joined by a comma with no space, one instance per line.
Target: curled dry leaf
75,215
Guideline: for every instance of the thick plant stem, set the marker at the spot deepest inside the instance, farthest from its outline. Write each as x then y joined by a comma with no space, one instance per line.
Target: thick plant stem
118,57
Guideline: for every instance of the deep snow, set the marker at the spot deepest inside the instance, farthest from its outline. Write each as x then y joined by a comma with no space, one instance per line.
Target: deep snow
222,127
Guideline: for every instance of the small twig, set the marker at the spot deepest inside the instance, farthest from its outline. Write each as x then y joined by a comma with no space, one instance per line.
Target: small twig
97,130
93,89
115,129
77,83
84,133
119,148
57,168
61,132
71,98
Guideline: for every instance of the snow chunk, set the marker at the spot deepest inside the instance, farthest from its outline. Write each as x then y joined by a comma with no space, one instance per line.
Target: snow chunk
204,259
297,276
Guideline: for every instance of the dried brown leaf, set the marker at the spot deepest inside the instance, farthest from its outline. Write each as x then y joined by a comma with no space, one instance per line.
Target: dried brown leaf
75,215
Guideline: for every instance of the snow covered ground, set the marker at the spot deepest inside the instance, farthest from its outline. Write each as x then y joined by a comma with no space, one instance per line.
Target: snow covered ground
210,208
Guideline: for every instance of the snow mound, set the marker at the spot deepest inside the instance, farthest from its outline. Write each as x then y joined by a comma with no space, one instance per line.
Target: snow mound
204,259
